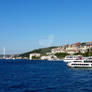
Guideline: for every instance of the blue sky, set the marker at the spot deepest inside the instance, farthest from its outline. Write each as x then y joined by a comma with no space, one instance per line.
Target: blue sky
29,24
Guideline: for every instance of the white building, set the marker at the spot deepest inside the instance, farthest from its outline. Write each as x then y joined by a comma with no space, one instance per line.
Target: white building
58,50
46,58
83,49
50,57
34,54
72,49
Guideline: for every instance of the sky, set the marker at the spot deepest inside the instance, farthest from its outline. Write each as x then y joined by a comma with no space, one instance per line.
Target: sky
30,24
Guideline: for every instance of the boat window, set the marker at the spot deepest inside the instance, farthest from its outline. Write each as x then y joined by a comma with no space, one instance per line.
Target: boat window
81,64
88,61
77,61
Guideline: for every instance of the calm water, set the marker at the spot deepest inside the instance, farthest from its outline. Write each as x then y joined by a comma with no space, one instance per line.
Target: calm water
43,76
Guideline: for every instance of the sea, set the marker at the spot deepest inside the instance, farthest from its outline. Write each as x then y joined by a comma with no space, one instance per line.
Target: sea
43,76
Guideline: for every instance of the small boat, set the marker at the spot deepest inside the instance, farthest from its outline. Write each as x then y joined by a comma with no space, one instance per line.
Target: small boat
84,63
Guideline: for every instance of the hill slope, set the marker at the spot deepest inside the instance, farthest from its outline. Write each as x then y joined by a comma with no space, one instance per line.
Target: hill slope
42,51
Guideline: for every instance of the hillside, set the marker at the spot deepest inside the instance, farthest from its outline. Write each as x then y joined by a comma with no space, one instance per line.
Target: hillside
84,46
42,51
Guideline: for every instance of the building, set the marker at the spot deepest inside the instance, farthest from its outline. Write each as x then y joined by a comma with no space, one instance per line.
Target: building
50,57
72,49
83,49
58,50
34,54
46,58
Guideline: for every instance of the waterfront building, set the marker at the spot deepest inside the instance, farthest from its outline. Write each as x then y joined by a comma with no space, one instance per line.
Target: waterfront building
46,58
50,57
34,54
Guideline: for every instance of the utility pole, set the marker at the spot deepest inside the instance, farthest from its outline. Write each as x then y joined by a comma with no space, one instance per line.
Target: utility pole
4,54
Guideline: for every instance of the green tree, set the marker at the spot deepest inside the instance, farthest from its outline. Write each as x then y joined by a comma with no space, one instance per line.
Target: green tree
35,58
61,55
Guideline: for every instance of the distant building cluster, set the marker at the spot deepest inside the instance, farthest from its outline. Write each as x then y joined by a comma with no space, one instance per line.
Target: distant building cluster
69,49
74,48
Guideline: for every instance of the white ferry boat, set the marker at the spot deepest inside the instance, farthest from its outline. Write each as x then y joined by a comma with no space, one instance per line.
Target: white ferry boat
71,58
84,63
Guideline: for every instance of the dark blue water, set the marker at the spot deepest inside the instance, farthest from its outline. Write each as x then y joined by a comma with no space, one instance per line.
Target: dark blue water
43,76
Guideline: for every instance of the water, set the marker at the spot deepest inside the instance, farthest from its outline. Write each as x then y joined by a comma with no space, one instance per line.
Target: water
43,76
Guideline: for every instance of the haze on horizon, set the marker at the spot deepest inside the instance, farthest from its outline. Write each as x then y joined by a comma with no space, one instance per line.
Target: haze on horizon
29,24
